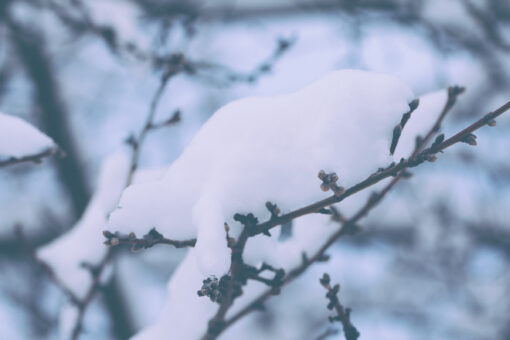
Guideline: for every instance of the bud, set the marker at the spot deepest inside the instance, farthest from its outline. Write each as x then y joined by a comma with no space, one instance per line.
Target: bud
470,139
414,104
321,174
431,158
325,280
439,139
336,289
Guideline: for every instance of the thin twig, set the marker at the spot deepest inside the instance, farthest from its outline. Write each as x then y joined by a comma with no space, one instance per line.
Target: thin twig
152,238
149,122
343,315
20,234
96,272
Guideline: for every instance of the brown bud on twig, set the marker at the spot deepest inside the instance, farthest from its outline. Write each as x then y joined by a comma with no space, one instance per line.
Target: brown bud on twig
491,122
414,104
470,139
329,182
273,209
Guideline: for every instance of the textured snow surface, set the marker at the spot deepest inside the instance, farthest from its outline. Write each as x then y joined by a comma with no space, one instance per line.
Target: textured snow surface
18,138
262,149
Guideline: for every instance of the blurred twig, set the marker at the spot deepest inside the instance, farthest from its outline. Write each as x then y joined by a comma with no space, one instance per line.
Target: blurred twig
149,240
343,315
36,158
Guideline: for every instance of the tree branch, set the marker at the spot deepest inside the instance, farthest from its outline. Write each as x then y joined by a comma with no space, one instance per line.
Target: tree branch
36,158
149,240
343,315
350,226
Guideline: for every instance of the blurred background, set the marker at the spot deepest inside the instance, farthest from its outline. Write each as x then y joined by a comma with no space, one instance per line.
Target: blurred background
434,259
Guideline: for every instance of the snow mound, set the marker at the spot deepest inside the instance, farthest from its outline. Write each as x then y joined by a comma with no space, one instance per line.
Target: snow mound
262,149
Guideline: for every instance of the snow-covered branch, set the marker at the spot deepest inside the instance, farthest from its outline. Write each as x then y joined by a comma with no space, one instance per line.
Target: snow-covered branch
350,226
170,67
20,142
149,240
35,158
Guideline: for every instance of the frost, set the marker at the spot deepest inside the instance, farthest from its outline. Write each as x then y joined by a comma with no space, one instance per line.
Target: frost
18,138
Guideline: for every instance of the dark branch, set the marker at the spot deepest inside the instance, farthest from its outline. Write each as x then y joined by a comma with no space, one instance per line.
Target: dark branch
343,315
350,226
149,240
36,158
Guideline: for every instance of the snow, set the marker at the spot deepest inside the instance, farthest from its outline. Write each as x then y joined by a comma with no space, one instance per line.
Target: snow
18,138
261,149
68,317
84,242
185,315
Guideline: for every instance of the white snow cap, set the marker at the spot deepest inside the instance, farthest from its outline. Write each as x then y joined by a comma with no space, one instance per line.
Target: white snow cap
18,138
262,149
